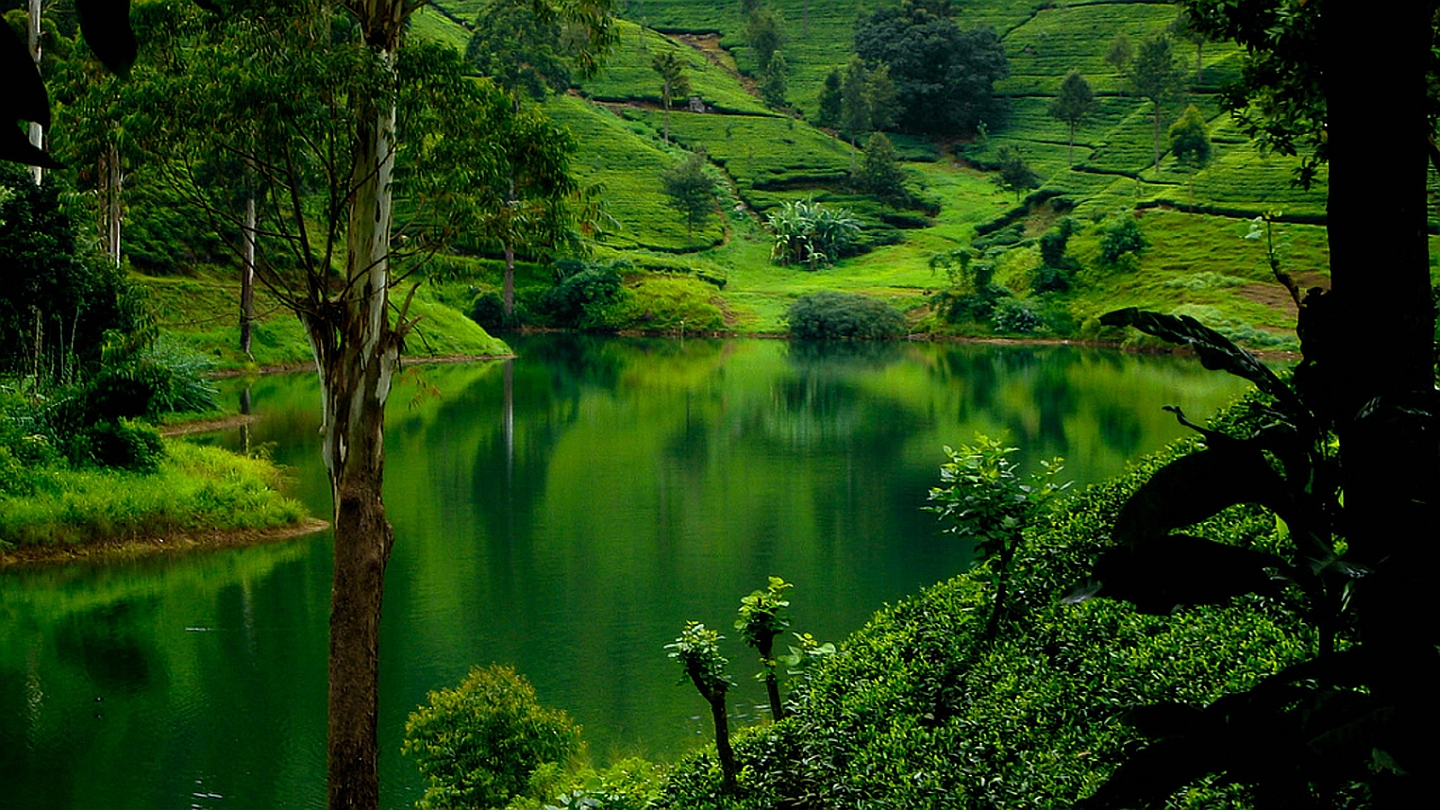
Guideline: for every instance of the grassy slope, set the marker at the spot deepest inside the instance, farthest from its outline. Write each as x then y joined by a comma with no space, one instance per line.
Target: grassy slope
771,158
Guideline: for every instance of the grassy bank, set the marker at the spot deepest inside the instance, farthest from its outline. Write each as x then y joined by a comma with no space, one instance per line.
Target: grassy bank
195,490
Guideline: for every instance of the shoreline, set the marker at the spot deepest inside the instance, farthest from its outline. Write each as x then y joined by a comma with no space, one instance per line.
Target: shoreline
131,548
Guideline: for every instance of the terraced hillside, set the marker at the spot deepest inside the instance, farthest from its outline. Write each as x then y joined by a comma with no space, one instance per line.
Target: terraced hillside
768,156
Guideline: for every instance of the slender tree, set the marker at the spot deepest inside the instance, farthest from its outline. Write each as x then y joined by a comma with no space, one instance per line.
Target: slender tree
690,189
673,82
335,86
697,650
1119,53
1015,174
760,621
1073,104
773,81
1190,142
879,172
830,101
1156,76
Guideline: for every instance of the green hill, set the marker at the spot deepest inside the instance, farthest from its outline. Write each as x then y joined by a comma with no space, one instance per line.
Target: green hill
770,156
720,276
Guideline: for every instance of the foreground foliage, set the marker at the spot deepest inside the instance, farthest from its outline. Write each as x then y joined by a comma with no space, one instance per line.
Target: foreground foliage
480,744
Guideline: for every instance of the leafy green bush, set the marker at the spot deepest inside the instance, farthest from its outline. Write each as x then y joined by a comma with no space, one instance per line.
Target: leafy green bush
123,444
480,744
1015,315
808,233
579,300
832,315
1121,237
488,310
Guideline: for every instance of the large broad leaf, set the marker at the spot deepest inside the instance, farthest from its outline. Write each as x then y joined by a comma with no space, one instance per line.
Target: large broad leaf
1195,487
1216,351
1282,740
106,26
24,98
1181,569
16,147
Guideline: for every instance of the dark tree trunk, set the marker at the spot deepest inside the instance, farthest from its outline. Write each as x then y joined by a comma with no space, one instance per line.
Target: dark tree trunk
722,742
1377,342
766,647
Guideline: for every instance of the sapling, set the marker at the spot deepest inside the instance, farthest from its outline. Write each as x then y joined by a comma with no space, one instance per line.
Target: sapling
759,623
698,651
982,497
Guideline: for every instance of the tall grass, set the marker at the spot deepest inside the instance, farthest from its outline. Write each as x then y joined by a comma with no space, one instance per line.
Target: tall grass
196,489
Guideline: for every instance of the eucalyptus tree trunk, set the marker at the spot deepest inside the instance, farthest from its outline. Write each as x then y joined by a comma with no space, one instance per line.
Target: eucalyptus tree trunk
111,211
357,352
247,275
37,131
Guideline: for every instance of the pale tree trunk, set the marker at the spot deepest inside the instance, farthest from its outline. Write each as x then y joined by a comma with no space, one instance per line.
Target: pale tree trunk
37,132
111,212
507,294
247,275
1155,139
357,351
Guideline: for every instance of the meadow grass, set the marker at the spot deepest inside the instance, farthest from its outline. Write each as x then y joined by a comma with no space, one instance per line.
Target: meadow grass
196,489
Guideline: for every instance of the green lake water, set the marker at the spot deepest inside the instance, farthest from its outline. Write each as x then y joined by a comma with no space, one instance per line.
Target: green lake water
565,512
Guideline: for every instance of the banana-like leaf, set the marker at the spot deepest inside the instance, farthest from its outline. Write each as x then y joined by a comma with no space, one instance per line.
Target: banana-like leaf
1180,569
106,26
1195,487
24,98
1216,352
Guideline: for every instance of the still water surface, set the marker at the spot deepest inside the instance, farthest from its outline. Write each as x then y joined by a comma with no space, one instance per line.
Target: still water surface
566,513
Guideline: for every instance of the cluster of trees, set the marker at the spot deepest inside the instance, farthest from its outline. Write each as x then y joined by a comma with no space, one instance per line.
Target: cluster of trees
943,77
765,33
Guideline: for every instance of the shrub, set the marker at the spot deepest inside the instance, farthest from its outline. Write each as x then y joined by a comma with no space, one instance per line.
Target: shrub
1120,238
579,300
832,315
488,310
810,234
125,444
1014,315
480,744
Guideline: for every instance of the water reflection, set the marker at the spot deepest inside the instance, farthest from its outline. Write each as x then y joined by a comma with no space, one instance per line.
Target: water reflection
566,513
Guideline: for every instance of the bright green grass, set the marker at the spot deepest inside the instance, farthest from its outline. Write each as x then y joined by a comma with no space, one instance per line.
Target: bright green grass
196,489
627,158
202,315
428,23
1202,264
628,75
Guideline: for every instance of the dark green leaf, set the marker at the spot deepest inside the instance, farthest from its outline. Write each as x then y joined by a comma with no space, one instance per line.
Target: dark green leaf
1216,352
14,146
1195,487
1180,569
24,98
106,26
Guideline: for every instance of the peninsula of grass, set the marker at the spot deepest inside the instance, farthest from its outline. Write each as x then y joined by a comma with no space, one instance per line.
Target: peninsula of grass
195,491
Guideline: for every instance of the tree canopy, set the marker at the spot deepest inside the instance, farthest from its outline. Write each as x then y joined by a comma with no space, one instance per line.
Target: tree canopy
1073,104
944,77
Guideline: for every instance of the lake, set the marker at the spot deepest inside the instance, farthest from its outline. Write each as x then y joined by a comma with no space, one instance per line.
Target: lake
565,512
